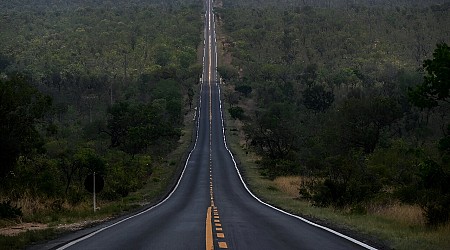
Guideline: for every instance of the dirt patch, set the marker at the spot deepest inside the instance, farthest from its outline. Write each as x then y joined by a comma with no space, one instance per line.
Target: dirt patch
81,224
289,185
21,228
24,227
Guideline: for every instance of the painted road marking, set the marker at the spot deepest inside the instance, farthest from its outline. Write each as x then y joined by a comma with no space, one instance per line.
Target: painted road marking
209,235
223,244
220,235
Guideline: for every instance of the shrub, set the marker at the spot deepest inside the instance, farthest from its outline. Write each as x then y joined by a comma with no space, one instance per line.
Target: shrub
272,168
9,211
346,182
434,193
236,113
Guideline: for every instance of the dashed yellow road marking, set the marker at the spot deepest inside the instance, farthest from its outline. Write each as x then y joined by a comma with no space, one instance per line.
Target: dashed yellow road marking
218,224
220,235
216,221
223,244
218,229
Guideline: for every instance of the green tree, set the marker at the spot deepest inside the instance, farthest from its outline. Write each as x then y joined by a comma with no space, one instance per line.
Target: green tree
276,134
244,89
346,181
236,112
432,192
228,73
360,122
118,122
21,108
436,84
317,98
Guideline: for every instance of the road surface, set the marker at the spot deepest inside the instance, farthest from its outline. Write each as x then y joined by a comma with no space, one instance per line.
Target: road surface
210,208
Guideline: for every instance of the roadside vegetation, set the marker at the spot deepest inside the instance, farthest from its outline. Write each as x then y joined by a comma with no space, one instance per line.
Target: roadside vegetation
339,112
90,86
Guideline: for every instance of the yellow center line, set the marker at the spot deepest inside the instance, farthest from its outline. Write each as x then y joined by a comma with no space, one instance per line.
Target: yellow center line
209,233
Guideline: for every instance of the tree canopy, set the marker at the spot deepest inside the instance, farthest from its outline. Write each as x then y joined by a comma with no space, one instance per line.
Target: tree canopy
436,84
22,107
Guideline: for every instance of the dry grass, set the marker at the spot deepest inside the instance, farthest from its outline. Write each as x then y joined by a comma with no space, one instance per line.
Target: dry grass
400,213
31,205
288,185
406,214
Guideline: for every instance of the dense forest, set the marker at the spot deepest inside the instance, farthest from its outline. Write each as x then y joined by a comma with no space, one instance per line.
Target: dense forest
284,4
91,86
351,95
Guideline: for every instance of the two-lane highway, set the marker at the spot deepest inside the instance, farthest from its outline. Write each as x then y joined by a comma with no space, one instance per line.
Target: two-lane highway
211,207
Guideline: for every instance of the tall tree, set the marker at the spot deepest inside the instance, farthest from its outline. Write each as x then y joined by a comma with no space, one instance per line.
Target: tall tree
21,106
436,84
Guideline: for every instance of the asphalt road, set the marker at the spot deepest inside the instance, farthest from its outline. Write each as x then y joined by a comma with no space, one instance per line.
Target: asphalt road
210,206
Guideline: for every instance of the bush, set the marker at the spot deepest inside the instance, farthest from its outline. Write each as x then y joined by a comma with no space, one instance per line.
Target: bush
433,193
9,211
236,113
272,168
347,182
437,210
244,89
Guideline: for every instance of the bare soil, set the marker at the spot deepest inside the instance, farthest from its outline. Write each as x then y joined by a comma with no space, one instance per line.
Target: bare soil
21,228
24,227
